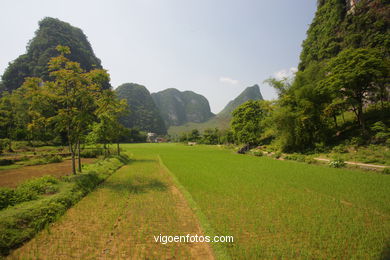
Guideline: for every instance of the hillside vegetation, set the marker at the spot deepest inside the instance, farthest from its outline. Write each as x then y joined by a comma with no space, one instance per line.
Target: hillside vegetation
40,49
222,119
143,113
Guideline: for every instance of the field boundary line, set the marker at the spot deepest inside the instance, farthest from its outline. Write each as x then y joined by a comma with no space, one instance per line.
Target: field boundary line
219,251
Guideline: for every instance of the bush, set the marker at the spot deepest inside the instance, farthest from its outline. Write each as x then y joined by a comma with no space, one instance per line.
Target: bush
4,162
296,157
386,171
277,155
6,197
28,191
91,153
4,143
337,163
256,152
340,149
53,159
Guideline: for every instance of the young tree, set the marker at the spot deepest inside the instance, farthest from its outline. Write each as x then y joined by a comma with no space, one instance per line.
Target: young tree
108,129
74,92
353,74
246,123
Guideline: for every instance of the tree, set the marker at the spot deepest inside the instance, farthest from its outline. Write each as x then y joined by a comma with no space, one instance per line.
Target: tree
194,136
73,92
353,74
246,122
211,136
108,129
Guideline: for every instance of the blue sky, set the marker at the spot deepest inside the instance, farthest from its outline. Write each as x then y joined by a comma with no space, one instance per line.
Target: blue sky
213,47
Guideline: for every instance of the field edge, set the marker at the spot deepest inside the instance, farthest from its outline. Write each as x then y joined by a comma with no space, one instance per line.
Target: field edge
217,248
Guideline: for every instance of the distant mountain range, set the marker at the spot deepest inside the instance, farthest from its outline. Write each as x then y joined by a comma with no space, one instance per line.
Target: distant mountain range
169,109
222,119
177,108
177,111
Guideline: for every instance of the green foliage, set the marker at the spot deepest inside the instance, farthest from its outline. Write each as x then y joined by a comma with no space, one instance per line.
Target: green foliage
51,33
323,40
381,131
386,171
247,122
143,113
337,163
91,153
6,162
211,136
194,136
28,190
353,74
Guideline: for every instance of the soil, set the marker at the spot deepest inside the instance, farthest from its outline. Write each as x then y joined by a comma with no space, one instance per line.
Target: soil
13,177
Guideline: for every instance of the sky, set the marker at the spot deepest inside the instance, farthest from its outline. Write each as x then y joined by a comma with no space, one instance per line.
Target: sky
216,48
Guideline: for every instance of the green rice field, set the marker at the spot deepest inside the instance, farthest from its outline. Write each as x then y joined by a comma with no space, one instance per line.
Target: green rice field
274,210
282,209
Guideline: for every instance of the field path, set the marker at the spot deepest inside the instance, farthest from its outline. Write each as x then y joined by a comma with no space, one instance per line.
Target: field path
364,165
120,219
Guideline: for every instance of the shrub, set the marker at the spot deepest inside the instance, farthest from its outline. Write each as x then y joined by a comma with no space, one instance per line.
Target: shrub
340,149
53,159
91,153
277,155
386,171
4,143
4,162
28,190
295,157
258,153
337,163
6,196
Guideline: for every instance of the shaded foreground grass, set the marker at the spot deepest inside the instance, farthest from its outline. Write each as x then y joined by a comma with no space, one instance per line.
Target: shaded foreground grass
283,209
120,219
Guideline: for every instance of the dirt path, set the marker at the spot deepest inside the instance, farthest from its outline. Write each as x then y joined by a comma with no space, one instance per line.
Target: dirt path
11,178
364,165
120,220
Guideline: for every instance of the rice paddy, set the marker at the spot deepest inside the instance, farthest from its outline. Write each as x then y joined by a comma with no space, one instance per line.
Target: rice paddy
273,209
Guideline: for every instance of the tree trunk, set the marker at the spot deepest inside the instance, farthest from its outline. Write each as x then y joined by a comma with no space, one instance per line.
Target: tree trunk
335,120
361,118
73,161
78,155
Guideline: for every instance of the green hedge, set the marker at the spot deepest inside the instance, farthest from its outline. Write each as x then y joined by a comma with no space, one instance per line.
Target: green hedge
21,222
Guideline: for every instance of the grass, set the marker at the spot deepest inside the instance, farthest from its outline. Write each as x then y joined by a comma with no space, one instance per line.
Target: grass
274,209
283,209
372,154
36,203
121,218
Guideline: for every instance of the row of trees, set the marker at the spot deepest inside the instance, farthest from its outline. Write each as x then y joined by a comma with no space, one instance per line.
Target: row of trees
72,108
209,136
306,112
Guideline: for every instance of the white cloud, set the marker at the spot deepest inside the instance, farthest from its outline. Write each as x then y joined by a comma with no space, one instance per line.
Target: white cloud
285,73
228,80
